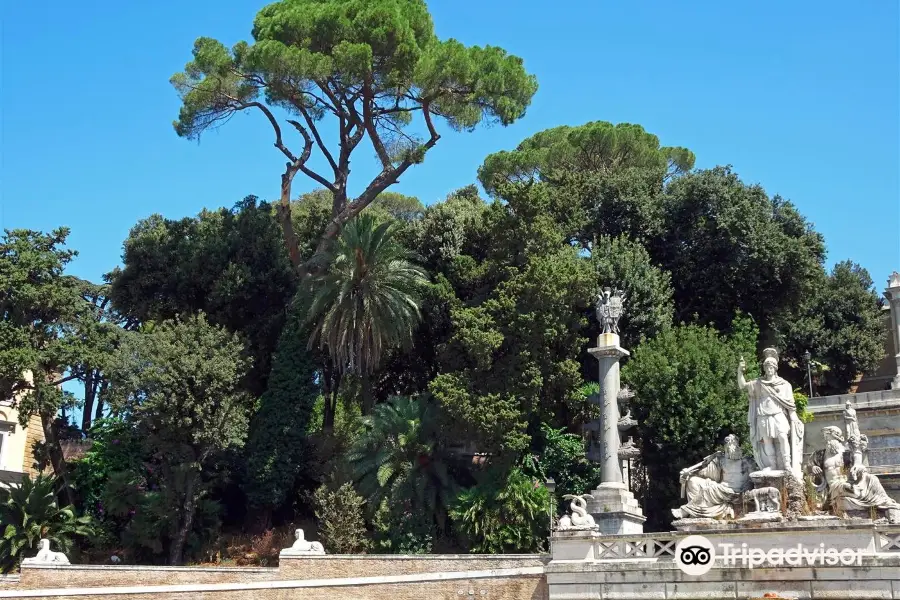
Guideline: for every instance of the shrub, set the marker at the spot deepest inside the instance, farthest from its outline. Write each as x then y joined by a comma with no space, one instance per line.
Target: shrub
503,514
30,513
342,528
403,532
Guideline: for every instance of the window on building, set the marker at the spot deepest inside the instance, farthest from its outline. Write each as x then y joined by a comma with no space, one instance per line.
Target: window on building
6,430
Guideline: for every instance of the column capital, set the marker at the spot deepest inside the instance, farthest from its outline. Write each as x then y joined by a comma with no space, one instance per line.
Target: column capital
608,347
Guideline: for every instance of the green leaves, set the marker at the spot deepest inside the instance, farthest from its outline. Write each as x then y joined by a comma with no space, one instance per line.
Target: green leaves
503,513
367,302
30,513
595,147
400,458
687,401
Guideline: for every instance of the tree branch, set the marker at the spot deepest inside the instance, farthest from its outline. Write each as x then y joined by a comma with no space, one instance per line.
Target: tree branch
312,127
386,178
300,164
369,122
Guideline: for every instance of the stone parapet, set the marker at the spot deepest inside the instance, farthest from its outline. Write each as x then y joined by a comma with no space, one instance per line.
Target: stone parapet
366,565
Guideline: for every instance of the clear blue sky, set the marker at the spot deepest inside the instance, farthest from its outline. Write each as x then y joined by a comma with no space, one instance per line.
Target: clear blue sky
799,96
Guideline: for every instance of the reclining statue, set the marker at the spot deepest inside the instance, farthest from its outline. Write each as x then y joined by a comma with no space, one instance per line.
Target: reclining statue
845,480
713,485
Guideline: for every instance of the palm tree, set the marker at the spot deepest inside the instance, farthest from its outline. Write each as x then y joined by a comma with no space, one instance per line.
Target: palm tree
400,459
30,513
368,300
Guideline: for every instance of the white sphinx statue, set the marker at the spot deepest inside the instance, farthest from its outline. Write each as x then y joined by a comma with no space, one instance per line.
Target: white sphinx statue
302,546
843,479
45,555
715,484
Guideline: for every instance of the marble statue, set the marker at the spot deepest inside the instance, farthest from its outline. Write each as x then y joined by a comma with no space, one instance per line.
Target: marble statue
301,546
579,519
839,472
764,499
713,485
46,555
776,432
850,421
610,305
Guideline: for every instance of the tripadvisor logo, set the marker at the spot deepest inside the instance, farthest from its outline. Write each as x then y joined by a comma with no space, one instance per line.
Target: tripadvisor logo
695,556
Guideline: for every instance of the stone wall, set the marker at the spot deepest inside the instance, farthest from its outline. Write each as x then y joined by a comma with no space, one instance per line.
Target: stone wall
505,577
369,565
77,576
637,580
497,588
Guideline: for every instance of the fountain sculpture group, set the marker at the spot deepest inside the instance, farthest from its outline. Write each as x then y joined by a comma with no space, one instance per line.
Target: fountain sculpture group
727,486
762,499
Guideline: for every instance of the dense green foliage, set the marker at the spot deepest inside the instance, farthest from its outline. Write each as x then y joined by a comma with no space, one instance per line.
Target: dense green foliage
504,513
401,459
341,524
49,332
226,263
277,448
367,301
423,369
179,381
687,402
29,513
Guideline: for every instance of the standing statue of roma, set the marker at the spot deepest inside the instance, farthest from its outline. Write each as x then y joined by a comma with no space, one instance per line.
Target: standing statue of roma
776,432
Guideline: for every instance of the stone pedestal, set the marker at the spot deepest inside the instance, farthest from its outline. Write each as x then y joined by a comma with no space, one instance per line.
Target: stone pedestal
616,510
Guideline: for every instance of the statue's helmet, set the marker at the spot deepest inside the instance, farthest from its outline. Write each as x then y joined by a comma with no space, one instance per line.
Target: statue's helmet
770,357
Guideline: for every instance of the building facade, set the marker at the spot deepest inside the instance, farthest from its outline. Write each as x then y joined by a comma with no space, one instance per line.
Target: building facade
17,444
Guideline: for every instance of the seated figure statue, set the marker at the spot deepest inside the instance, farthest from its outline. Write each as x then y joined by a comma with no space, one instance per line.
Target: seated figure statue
713,485
845,479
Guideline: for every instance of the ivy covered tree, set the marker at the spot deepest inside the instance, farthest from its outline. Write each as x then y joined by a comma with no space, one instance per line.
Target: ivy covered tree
180,382
277,447
368,66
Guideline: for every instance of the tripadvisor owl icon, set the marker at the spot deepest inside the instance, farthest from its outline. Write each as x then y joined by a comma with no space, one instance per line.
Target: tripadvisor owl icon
695,555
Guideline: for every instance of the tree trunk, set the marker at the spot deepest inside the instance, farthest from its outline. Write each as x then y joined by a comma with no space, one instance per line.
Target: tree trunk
284,215
176,552
99,414
331,381
90,392
368,402
57,460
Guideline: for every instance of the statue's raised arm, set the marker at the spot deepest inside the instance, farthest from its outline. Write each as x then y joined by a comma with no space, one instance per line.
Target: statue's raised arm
742,366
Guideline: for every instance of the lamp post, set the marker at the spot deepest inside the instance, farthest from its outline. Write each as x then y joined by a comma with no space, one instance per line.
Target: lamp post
550,484
808,358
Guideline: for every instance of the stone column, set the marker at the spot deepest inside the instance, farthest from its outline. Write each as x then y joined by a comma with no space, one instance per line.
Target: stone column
613,506
892,293
608,352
